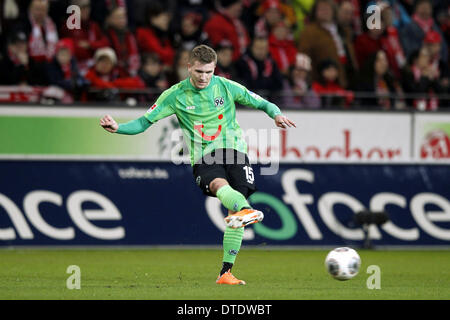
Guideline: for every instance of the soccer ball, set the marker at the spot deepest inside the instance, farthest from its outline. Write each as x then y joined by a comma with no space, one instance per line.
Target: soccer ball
343,263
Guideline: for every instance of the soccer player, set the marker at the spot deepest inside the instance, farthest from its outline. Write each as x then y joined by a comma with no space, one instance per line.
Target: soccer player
205,107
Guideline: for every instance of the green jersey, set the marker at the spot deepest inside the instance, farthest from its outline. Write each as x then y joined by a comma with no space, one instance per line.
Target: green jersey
208,116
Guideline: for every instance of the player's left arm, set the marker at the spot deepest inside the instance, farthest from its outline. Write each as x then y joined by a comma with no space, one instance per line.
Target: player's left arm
245,97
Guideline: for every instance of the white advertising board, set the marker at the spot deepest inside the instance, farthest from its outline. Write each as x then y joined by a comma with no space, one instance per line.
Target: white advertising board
333,136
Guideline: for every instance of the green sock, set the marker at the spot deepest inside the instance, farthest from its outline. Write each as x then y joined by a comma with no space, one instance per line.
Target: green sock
231,199
232,240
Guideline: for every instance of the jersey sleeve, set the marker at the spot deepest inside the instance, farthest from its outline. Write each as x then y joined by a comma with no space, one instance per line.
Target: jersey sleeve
134,126
162,108
248,98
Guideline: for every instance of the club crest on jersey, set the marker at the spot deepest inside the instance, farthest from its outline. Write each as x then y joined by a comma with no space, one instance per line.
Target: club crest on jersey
219,101
153,107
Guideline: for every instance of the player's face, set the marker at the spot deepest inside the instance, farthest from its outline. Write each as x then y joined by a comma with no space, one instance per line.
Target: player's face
201,74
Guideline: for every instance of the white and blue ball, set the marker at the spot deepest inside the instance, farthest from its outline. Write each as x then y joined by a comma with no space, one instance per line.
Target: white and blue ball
343,263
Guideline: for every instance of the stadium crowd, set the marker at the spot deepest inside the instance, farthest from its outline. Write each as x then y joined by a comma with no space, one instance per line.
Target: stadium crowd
299,53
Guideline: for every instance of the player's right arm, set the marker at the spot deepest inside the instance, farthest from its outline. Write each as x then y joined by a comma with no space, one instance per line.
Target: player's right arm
162,108
131,127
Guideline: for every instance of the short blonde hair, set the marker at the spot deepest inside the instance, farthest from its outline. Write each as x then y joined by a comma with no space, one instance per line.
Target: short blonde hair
203,54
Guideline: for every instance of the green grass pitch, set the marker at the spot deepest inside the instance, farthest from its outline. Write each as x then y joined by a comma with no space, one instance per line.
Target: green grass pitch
190,274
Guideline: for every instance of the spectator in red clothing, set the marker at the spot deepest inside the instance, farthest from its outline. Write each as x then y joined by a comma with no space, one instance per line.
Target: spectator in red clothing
282,47
328,87
368,43
386,38
41,31
390,40
258,71
105,74
154,36
122,40
87,39
225,24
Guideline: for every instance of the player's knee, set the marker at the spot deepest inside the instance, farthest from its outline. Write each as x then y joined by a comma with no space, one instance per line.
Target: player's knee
216,184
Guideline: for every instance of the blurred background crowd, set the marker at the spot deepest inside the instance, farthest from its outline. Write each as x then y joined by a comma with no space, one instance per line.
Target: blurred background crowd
389,54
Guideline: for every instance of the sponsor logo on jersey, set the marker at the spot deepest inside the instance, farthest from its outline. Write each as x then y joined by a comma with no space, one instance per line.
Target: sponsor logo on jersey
199,127
153,107
190,107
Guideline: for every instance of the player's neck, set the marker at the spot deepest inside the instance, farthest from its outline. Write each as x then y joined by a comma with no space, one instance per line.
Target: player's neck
196,88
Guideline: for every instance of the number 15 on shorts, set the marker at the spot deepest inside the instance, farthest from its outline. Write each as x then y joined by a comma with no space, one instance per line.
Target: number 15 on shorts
249,174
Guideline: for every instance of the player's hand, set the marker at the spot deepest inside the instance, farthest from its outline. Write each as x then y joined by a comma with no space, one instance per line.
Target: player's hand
109,124
283,122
